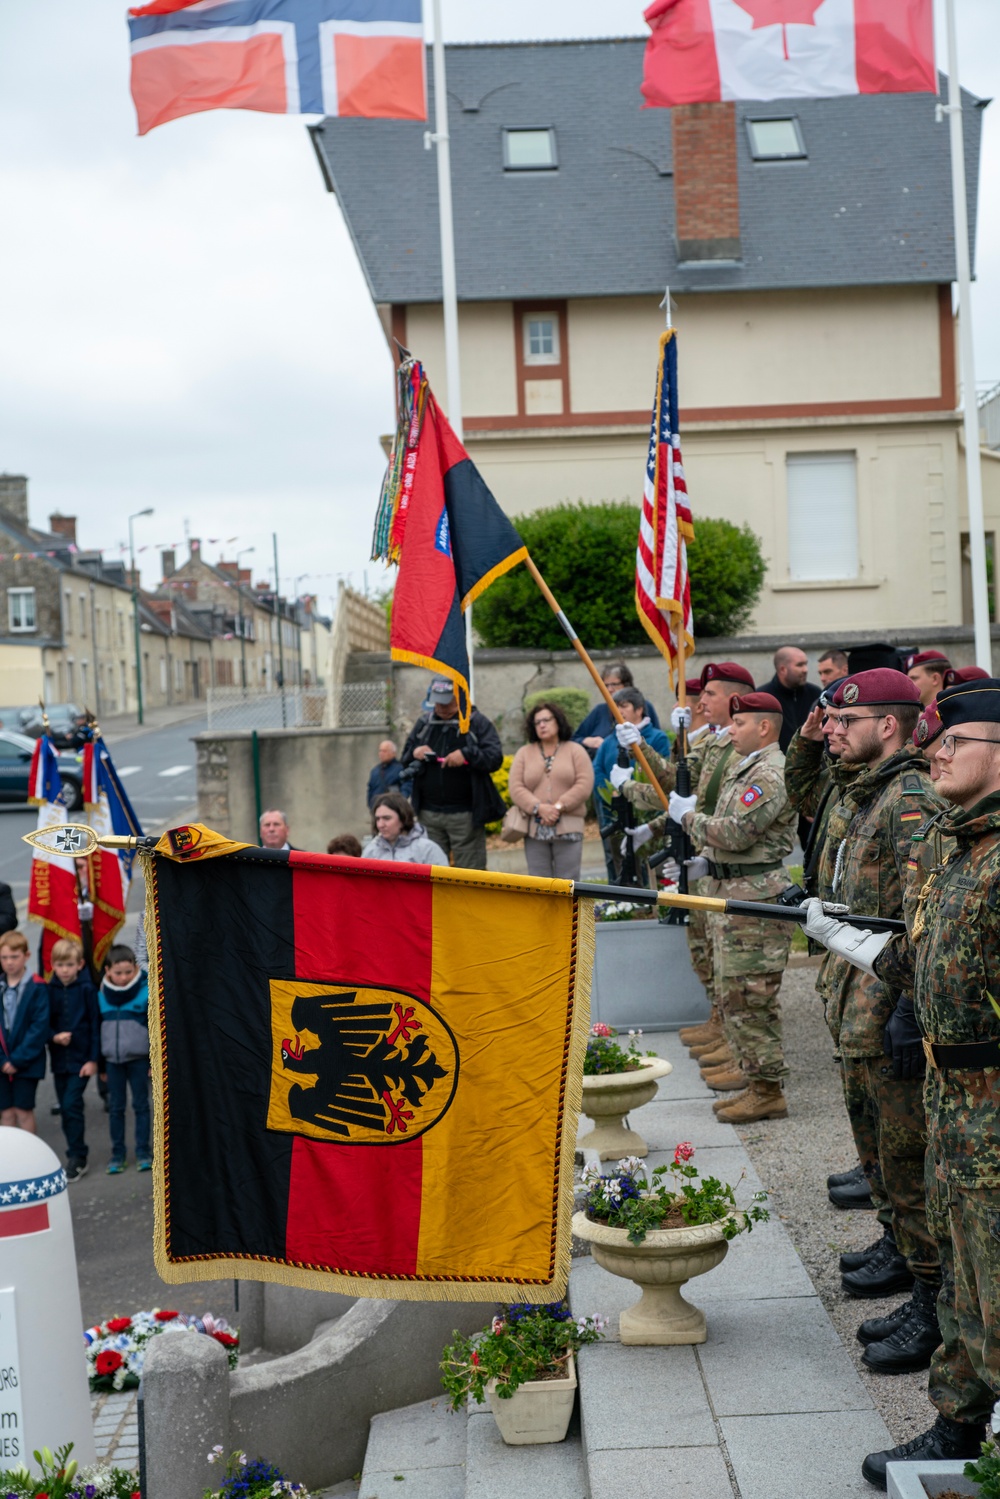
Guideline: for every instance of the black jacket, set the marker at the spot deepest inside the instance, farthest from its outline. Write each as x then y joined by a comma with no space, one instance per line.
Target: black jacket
482,749
8,910
73,1007
796,704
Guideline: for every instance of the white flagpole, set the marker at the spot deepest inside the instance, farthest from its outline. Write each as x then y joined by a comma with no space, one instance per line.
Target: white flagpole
973,463
449,285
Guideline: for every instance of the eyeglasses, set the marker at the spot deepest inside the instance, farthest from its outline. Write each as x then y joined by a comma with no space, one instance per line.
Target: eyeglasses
950,743
847,719
543,718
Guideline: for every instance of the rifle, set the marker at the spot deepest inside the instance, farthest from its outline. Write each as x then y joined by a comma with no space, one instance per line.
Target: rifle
677,844
770,912
624,818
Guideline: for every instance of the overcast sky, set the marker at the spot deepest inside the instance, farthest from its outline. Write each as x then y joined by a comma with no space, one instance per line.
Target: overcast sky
183,323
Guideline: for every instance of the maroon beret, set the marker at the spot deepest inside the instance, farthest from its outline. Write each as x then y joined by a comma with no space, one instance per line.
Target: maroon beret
881,688
727,671
693,685
929,726
935,659
754,702
965,674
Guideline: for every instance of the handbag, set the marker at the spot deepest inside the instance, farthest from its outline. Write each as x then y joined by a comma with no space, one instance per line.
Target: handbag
515,825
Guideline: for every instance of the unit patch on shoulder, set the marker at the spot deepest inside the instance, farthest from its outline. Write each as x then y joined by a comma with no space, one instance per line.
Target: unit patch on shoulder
913,783
751,794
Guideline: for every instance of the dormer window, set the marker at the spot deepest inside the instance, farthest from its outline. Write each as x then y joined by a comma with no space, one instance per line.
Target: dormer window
776,140
529,151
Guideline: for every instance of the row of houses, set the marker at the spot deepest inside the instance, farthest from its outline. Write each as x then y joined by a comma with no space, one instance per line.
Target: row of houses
67,634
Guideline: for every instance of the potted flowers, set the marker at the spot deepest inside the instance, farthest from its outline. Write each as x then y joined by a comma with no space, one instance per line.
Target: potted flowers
660,1234
61,1477
524,1365
616,1081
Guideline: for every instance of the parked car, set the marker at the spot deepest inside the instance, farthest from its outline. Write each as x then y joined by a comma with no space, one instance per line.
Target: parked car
16,751
65,723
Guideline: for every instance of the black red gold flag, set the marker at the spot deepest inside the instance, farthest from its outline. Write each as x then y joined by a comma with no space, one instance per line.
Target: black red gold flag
367,1075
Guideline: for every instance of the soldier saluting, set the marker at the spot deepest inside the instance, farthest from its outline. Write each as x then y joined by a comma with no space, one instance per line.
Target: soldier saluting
950,961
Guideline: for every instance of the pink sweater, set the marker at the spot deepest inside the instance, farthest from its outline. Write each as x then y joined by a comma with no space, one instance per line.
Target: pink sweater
570,781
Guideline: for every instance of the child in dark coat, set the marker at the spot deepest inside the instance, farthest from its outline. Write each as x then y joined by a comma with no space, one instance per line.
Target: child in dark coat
24,1029
74,1045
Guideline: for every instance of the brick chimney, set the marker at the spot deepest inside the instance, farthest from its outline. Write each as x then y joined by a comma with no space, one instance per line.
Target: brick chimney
169,562
63,525
14,496
706,186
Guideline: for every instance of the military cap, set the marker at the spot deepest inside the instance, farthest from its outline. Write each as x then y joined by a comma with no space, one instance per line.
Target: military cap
929,726
881,688
870,657
693,685
965,674
726,671
754,702
970,702
826,696
937,660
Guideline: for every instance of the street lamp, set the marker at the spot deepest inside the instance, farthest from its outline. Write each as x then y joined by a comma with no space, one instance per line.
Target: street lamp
135,610
300,579
239,595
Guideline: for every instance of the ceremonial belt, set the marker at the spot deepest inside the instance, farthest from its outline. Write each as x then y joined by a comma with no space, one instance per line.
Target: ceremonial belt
971,1056
740,871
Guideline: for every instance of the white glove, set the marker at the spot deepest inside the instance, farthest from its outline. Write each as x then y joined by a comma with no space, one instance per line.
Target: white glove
627,733
640,835
853,943
680,718
619,774
680,806
697,868
85,910
671,871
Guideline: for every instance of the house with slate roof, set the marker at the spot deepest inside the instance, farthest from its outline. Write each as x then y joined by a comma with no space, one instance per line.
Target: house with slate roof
808,248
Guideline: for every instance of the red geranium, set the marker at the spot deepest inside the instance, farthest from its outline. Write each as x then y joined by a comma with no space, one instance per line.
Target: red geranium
166,1316
108,1361
119,1324
226,1339
684,1151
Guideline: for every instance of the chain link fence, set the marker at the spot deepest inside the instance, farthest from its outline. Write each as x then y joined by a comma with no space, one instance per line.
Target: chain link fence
362,705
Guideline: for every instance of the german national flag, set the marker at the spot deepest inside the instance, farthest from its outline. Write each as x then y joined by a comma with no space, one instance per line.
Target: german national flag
367,1074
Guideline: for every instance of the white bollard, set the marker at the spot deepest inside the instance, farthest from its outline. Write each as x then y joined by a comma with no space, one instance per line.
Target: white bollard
44,1395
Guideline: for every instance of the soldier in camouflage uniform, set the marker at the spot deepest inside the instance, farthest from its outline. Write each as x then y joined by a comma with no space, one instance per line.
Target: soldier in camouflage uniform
707,760
744,845
951,960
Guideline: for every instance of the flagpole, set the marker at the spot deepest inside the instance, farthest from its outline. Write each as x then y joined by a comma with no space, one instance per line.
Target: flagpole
449,283
973,461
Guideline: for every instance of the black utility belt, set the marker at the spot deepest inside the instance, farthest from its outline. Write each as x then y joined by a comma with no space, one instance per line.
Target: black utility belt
970,1057
740,871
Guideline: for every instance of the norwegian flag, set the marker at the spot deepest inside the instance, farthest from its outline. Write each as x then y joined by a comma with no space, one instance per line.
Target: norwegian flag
110,811
333,57
52,893
662,586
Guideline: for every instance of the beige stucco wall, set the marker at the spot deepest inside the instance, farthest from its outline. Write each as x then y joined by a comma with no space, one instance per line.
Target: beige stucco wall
22,677
486,352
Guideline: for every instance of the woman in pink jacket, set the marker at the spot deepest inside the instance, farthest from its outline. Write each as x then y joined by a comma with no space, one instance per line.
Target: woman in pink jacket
550,780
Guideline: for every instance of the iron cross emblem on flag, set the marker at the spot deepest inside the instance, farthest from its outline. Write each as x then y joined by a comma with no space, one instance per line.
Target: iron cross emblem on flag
70,840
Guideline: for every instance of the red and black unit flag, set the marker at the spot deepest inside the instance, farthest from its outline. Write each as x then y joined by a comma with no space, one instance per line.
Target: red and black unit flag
367,1075
440,523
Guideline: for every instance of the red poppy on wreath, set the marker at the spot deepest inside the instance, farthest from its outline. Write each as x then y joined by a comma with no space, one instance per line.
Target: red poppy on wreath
166,1316
226,1339
119,1324
108,1361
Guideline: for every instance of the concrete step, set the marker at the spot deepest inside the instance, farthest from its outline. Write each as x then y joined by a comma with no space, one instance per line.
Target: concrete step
493,1470
416,1452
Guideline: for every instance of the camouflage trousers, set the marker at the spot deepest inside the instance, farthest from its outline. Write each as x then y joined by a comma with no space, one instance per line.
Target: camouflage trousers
965,1370
890,1132
700,942
748,959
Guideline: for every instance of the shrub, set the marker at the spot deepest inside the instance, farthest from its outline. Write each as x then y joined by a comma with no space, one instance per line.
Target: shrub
501,780
574,702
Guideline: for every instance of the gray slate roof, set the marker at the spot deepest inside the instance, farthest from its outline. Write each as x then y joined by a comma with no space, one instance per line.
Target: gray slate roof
871,206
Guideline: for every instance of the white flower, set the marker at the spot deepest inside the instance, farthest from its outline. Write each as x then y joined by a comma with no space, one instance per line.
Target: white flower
591,1173
631,1165
243,1459
497,1325
613,1189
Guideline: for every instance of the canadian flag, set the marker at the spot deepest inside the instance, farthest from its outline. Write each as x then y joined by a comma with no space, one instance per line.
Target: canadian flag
702,51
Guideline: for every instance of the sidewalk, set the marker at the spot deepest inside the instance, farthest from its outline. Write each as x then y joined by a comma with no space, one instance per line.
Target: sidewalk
118,726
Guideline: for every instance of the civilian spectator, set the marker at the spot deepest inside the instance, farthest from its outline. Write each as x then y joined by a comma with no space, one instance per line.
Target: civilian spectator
386,774
550,779
792,690
632,708
927,671
398,835
24,1030
274,830
598,723
123,999
74,1045
831,666
453,790
345,844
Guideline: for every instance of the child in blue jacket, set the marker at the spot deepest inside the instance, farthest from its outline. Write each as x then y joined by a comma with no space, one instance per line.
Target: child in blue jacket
123,1001
74,1045
24,1030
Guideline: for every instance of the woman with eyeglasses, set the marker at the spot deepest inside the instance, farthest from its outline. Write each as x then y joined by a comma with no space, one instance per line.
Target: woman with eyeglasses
550,780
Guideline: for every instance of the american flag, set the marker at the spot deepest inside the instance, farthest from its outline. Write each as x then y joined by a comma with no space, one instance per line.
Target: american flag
662,587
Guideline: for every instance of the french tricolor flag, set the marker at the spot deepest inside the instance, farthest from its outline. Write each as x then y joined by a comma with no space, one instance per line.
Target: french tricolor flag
334,57
703,51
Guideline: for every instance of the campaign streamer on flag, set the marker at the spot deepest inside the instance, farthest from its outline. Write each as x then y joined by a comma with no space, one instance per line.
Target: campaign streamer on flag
110,811
331,57
440,523
662,585
367,1075
52,893
702,51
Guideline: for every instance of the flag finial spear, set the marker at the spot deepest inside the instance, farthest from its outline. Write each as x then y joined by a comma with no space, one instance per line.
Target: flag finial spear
666,305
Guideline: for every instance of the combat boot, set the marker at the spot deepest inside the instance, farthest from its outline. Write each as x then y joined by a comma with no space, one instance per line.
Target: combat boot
885,1273
910,1345
702,1049
853,1259
762,1100
716,1057
846,1178
947,1441
697,1035
727,1079
855,1194
724,1103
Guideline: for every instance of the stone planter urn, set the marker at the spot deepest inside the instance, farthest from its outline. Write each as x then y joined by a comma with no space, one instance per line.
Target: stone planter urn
661,1264
538,1411
608,1097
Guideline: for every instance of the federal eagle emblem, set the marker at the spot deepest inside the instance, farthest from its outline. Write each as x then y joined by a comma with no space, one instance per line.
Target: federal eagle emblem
851,693
361,1066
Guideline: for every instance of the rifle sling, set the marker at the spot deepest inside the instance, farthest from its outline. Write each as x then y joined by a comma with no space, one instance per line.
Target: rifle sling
712,789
